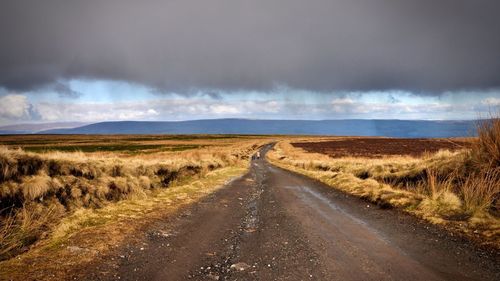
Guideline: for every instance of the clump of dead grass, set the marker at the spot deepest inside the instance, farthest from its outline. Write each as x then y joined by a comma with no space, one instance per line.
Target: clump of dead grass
486,151
480,192
480,186
21,229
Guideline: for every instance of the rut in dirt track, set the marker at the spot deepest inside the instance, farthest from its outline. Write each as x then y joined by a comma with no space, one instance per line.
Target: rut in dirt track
272,224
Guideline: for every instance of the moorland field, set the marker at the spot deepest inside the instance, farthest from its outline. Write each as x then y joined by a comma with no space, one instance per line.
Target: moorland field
95,190
46,178
452,182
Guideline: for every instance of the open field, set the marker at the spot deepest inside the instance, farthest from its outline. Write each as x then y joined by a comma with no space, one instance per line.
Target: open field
163,207
67,174
382,147
457,186
122,144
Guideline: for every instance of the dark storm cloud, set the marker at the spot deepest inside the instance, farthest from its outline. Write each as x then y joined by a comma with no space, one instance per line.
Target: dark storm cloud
425,46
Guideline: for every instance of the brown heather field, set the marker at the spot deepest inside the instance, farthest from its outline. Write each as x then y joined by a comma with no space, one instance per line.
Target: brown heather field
367,147
53,186
452,182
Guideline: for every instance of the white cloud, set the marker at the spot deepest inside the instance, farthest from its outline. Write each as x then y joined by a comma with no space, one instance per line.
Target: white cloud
271,106
350,107
342,101
491,101
91,112
160,109
152,112
14,106
180,108
342,105
224,109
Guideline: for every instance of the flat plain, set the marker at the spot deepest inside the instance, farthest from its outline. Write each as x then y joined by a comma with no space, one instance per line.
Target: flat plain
382,147
198,207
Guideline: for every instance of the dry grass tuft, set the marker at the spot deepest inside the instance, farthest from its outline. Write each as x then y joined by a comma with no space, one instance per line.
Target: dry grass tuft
35,187
486,152
480,189
26,226
480,192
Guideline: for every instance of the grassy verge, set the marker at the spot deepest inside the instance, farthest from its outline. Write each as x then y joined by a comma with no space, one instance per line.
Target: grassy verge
87,233
460,190
37,191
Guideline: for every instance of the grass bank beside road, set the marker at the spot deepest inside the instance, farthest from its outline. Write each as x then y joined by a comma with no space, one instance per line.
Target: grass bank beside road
459,189
87,234
45,197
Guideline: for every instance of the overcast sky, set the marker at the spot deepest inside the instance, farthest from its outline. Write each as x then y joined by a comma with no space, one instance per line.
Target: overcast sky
98,60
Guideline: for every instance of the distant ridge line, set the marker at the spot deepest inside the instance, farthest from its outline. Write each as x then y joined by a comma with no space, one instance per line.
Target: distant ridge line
345,127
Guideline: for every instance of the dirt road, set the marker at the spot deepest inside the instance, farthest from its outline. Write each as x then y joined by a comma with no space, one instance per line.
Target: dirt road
272,224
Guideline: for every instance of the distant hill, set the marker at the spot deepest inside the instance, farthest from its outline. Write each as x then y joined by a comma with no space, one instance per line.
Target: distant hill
31,128
388,128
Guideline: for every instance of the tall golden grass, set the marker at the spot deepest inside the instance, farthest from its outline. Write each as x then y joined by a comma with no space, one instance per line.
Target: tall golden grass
486,152
38,190
480,192
481,188
444,187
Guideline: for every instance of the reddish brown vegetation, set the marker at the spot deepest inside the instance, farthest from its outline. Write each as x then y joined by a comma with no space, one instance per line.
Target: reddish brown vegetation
378,147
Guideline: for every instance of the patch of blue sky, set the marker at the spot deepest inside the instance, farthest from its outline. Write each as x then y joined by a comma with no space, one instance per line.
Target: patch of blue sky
111,91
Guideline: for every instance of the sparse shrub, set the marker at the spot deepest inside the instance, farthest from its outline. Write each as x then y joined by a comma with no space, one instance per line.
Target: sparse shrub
445,204
8,167
18,231
434,185
35,186
486,152
480,191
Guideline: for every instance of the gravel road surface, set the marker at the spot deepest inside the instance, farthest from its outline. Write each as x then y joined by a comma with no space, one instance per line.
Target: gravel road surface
273,224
